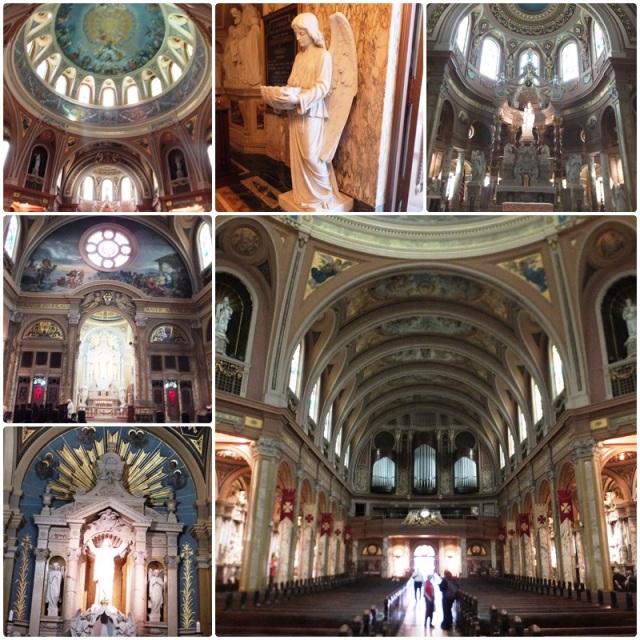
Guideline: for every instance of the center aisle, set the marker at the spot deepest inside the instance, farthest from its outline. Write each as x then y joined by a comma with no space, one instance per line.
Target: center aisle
413,625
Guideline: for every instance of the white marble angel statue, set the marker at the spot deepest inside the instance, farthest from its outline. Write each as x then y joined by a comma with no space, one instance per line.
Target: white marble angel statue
318,98
156,582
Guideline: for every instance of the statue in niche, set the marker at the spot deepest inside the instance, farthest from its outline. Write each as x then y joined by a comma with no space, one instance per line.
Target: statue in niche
223,315
156,581
318,98
35,170
232,57
477,166
252,46
629,314
104,567
178,163
528,120
54,584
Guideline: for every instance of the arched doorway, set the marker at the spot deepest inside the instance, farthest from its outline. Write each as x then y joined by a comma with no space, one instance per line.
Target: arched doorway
424,559
106,365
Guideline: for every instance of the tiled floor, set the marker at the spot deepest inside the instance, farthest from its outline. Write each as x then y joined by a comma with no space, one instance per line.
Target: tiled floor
413,625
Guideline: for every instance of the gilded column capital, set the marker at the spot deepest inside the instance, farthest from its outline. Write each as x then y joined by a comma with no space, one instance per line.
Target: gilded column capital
266,447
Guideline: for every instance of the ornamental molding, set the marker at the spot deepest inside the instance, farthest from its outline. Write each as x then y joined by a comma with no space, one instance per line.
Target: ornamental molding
542,23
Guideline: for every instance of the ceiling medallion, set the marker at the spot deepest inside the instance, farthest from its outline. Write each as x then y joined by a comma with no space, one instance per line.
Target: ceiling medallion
519,19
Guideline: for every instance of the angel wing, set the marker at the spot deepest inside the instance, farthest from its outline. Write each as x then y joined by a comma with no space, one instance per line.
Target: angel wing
344,83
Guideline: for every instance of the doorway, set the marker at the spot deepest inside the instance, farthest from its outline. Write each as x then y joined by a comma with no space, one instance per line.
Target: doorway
424,559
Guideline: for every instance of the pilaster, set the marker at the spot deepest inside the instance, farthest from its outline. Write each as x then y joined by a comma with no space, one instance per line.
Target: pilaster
173,595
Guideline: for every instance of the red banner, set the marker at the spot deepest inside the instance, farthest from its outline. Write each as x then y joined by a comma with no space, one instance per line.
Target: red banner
523,520
325,524
565,504
338,532
287,504
502,535
347,534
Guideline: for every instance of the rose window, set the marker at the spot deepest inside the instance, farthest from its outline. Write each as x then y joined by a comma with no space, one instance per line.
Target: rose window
108,247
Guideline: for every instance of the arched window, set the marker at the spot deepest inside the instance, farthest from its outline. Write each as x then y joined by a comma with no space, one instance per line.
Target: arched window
522,426
84,94
189,50
210,152
327,425
557,376
462,34
108,97
569,62
11,237
62,85
465,472
383,476
347,456
512,444
424,468
156,87
205,245
598,40
338,444
132,96
533,57
490,59
88,188
126,190
107,190
6,145
503,462
175,71
295,370
42,69
536,401
314,404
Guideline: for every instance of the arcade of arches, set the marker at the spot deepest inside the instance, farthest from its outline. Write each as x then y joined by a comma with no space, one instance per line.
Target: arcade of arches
531,107
107,107
112,313
448,392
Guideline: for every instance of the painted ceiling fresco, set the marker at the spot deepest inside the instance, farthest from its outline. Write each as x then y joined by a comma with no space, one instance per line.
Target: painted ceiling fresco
109,38
56,264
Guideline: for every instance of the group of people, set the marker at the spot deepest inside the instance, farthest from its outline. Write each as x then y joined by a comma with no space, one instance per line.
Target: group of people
34,412
449,589
622,582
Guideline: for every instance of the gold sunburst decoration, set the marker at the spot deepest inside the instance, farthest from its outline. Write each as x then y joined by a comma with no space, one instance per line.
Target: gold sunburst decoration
144,470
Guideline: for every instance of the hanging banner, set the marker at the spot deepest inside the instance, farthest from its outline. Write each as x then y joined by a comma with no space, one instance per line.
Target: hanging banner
565,504
339,528
540,515
347,534
523,520
511,529
502,535
325,524
309,515
287,504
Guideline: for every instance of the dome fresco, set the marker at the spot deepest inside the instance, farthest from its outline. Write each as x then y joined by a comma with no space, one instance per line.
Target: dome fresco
109,39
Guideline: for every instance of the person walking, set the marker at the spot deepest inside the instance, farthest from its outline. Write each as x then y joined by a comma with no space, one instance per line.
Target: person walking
418,580
449,588
430,601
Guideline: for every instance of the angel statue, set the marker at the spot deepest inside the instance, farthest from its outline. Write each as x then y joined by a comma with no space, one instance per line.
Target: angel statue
318,98
156,594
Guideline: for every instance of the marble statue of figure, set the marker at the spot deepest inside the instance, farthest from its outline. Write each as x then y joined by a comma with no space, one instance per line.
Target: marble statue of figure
36,165
232,58
318,98
477,166
104,567
629,314
251,46
620,198
156,594
573,169
528,120
122,396
84,394
509,152
223,315
544,153
178,163
54,582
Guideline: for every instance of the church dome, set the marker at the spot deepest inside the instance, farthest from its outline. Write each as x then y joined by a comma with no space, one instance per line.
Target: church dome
109,64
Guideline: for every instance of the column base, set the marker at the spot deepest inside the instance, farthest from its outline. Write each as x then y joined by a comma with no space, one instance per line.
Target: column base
341,203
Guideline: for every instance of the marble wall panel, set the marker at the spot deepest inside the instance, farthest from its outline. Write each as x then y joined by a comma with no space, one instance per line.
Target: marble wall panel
362,158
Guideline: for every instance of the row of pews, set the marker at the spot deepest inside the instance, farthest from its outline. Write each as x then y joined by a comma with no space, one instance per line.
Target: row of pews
325,606
522,606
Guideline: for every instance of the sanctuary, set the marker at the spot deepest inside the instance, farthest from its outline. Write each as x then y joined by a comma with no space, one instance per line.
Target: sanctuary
107,531
531,107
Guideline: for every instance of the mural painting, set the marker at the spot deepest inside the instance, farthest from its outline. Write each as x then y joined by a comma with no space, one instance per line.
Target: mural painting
56,265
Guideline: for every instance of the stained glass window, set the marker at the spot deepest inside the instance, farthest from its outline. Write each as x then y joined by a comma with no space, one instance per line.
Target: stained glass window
489,59
598,39
205,245
534,58
569,62
107,247
462,34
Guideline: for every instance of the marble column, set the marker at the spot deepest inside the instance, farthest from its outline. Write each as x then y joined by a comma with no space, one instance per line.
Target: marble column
627,128
69,371
463,557
201,390
508,556
143,377
255,553
438,86
11,352
285,529
580,550
37,594
458,179
585,455
633,531
173,594
592,183
139,590
446,168
72,588
567,551
385,557
606,183
296,533
494,556
555,509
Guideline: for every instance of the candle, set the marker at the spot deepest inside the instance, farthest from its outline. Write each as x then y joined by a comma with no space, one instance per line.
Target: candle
198,627
11,615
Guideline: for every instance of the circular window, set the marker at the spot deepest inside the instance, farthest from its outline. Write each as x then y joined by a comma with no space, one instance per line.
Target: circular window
108,247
